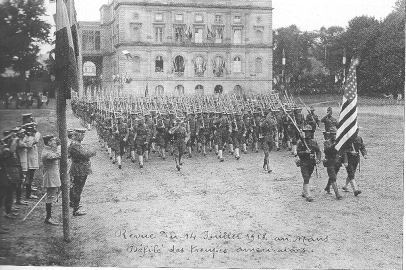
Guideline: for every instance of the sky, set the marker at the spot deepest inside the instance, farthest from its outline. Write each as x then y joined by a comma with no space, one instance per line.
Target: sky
308,15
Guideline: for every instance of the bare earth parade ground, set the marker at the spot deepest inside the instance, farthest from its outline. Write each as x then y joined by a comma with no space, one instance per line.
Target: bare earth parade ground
223,215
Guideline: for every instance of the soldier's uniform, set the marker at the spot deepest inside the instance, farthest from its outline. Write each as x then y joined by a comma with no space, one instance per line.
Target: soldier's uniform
328,120
351,158
300,123
120,138
79,170
179,135
222,134
151,134
238,133
193,136
141,141
160,136
312,119
11,173
248,132
268,129
332,162
256,125
309,157
289,131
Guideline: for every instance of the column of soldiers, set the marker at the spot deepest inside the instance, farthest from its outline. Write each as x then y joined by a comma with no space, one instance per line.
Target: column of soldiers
176,132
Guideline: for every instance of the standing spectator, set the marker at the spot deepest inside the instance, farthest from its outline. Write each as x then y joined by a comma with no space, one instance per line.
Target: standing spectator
7,101
39,101
51,180
32,153
80,168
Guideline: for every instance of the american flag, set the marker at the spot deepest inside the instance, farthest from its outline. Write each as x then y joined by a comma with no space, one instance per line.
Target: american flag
347,124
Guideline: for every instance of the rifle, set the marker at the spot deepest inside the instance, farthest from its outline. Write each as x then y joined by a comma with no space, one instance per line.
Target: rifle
309,112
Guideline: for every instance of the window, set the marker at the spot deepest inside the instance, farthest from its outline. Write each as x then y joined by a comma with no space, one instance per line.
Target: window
218,89
217,18
159,17
159,90
159,34
136,65
159,64
237,19
237,36
97,40
136,16
199,35
179,34
219,66
258,36
199,66
199,90
198,18
179,64
91,40
258,65
180,90
135,32
179,17
237,65
218,32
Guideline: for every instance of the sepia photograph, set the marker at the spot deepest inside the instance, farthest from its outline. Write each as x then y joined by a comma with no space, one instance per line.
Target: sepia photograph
243,134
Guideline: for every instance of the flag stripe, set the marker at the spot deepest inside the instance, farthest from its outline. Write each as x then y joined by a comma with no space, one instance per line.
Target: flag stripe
350,131
351,121
348,119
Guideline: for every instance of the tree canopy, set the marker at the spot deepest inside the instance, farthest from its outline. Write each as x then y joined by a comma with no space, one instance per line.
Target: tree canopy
22,32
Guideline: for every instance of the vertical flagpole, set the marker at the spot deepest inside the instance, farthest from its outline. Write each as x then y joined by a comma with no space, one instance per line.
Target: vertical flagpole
63,165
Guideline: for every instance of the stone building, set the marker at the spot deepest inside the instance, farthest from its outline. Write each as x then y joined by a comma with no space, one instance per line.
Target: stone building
177,47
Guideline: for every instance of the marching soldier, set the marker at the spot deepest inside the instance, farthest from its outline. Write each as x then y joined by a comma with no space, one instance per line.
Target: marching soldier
160,136
288,130
248,132
238,133
222,134
312,119
332,162
121,136
309,155
328,120
180,136
141,139
32,141
79,169
268,129
300,122
193,133
256,123
351,160
132,129
151,133
199,132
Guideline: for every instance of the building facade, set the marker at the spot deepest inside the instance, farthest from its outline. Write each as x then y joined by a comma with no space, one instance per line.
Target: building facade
180,47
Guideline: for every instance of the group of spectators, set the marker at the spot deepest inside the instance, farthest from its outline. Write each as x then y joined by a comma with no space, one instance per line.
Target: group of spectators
26,100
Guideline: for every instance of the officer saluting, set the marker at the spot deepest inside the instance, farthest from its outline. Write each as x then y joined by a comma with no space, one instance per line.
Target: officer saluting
309,156
79,169
328,120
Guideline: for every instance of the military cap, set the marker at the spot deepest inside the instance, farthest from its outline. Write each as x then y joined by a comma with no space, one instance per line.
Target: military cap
21,130
308,128
26,115
311,108
70,131
7,132
329,109
80,130
47,138
15,129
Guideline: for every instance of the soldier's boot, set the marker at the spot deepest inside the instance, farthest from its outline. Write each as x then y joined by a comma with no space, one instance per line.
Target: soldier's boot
119,161
335,188
221,155
210,147
141,161
153,148
354,187
237,153
256,147
114,157
133,156
189,149
89,127
244,148
327,188
304,192
268,166
345,187
308,197
180,160
177,164
265,166
231,149
163,154
216,147
109,152
48,219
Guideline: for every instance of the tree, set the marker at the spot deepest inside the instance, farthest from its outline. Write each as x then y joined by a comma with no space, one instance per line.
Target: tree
22,32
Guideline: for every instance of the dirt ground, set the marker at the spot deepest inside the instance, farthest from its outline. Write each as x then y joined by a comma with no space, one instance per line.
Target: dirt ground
227,215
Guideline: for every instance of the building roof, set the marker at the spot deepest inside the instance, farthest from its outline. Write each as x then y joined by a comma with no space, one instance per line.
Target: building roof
258,3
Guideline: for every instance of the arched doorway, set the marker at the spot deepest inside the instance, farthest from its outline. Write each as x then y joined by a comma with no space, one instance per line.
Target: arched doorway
180,90
218,89
159,90
238,90
199,90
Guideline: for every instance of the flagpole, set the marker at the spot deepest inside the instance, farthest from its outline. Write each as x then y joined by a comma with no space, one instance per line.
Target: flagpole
63,136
